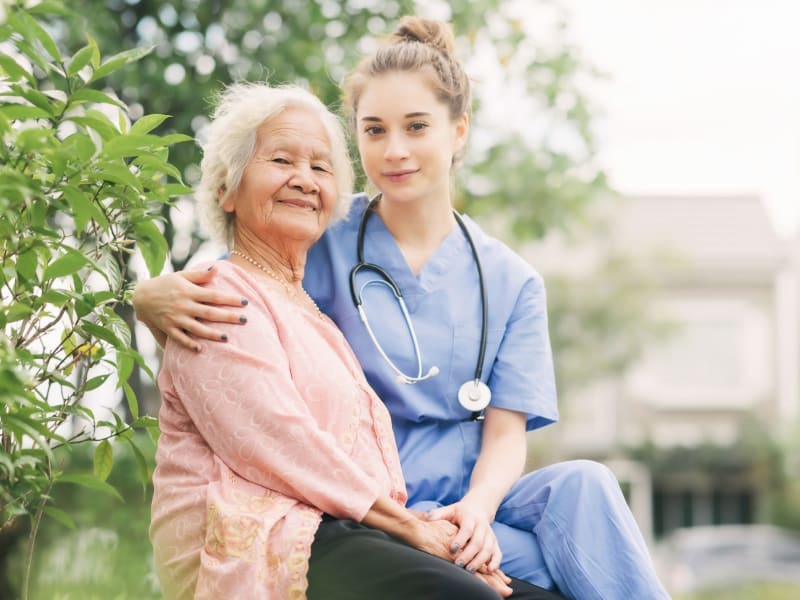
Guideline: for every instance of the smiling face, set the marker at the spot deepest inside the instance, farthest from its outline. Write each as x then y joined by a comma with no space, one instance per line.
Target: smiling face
407,138
287,191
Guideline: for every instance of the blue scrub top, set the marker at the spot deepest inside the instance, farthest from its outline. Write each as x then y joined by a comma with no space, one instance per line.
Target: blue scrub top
437,440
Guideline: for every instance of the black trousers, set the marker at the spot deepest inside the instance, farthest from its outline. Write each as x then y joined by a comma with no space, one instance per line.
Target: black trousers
350,561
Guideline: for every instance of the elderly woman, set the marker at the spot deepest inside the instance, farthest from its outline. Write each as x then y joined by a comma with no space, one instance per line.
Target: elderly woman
277,471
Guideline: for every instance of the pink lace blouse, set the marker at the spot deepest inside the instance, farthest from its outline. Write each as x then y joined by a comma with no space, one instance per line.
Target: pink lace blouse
259,436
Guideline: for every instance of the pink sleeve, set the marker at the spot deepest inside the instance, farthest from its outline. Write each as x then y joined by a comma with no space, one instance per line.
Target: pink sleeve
241,397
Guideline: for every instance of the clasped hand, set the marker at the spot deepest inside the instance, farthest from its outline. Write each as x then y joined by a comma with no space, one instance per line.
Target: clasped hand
463,535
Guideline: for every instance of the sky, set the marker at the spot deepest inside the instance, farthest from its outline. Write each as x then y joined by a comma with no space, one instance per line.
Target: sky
703,96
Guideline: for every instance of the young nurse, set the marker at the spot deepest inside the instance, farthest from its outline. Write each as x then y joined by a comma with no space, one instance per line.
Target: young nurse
437,360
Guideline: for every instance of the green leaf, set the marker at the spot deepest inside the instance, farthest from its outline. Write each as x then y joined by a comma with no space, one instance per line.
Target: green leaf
60,516
130,145
71,262
119,174
152,245
27,263
142,470
80,59
103,460
32,27
97,121
124,369
36,98
91,482
119,60
96,97
130,396
23,112
147,123
13,70
102,333
158,165
95,382
146,421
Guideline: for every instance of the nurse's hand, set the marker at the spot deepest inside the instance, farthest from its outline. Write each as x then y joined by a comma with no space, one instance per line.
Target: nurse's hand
170,305
475,544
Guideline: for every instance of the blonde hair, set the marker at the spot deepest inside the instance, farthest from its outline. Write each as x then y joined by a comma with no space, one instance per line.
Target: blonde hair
231,140
418,45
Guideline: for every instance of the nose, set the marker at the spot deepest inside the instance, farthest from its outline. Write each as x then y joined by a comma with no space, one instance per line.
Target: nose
396,148
302,179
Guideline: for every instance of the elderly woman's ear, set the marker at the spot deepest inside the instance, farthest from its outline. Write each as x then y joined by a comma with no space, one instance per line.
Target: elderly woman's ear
225,199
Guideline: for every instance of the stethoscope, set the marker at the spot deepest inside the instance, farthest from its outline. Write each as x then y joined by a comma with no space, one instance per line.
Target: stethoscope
473,395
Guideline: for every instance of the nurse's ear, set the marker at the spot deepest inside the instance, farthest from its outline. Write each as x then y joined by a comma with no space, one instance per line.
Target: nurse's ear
460,135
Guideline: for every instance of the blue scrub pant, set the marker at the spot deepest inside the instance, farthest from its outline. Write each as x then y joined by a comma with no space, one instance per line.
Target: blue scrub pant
567,527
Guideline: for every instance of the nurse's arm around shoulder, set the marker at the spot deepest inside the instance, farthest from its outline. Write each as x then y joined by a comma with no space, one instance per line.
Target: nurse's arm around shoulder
177,305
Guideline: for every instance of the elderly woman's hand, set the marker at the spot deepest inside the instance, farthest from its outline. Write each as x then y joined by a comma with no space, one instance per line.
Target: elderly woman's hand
173,306
475,544
437,539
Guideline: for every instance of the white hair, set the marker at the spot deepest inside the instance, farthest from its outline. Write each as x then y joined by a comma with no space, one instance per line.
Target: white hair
231,140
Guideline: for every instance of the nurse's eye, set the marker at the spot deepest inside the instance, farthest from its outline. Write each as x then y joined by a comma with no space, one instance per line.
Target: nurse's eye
417,126
374,130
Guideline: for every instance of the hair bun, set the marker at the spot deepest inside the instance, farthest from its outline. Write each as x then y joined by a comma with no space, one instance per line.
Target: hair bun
433,33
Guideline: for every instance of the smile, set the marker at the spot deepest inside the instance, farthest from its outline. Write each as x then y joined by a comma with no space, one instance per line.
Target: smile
398,176
299,203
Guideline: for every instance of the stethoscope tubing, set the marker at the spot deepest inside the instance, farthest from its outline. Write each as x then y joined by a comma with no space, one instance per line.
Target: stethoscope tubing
386,279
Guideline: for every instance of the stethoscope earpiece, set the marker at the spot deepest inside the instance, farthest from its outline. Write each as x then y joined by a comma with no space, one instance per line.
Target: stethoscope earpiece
474,395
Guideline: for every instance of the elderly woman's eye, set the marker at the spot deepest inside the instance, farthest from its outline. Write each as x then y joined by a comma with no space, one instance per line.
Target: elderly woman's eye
322,168
280,160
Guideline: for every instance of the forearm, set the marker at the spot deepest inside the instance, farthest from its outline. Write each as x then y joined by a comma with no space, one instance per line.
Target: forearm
393,518
501,460
141,309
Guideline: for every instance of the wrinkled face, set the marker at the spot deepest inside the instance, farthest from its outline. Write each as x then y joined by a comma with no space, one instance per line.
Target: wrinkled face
407,138
287,192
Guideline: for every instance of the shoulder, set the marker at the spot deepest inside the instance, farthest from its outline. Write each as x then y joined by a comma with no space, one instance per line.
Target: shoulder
505,266
351,221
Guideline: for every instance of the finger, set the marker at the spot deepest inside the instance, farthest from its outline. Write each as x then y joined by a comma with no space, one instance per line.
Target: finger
198,329
496,559
446,513
496,583
206,295
213,314
183,339
200,275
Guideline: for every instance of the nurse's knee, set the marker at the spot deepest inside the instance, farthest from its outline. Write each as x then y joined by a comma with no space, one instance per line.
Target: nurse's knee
589,476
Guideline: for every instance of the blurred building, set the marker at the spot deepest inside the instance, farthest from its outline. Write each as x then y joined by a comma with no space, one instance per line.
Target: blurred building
730,365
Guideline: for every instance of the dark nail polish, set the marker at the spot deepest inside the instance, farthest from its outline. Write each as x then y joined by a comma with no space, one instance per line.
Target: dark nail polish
224,337
244,302
471,570
454,548
197,348
459,563
242,319
211,267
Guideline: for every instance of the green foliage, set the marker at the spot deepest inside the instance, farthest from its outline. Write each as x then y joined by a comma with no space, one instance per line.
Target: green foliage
110,556
80,189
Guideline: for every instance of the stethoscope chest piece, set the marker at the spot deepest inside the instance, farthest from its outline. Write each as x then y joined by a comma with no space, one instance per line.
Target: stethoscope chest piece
474,395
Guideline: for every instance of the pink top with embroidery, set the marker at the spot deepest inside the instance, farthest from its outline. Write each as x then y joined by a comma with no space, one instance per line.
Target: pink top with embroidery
259,437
